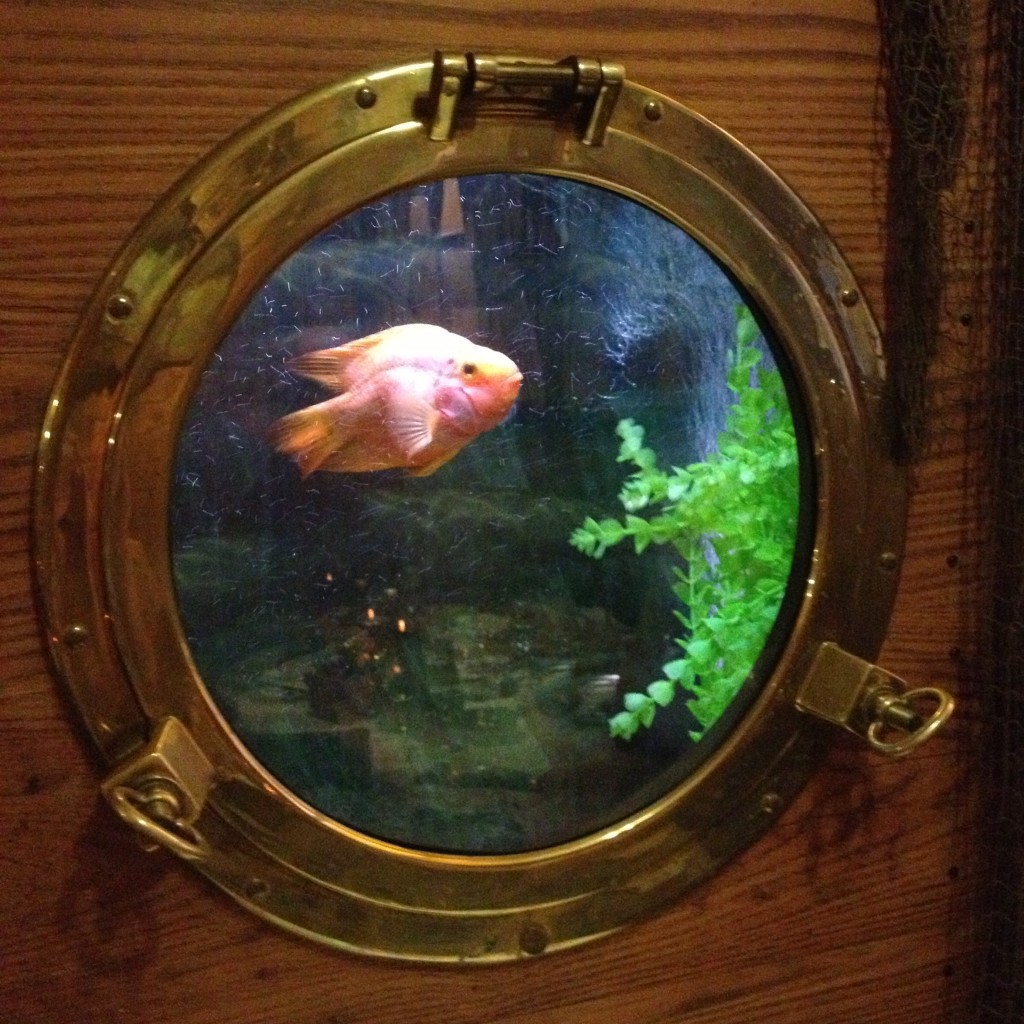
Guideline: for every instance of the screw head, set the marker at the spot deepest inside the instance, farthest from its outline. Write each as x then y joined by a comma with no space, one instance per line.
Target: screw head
75,634
120,307
533,939
366,97
255,889
653,110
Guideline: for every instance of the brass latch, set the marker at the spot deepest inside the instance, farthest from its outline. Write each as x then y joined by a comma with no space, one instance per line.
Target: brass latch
460,76
872,703
160,791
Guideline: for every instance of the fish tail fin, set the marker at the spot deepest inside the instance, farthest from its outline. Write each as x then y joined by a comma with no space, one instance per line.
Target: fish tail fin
308,436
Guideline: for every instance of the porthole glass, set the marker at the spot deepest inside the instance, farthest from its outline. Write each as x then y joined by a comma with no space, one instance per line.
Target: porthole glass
558,624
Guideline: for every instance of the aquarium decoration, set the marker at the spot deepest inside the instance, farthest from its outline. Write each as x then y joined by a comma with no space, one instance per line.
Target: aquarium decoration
732,519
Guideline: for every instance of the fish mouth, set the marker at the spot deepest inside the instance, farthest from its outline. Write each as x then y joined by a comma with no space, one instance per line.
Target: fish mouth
498,399
513,381
510,392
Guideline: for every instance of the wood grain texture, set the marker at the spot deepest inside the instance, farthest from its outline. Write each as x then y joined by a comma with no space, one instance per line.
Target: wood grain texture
855,909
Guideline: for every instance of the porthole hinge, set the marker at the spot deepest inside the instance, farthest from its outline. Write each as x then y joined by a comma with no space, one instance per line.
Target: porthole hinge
457,77
161,789
871,702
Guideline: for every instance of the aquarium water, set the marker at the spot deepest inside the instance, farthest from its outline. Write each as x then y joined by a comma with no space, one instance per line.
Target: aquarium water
431,659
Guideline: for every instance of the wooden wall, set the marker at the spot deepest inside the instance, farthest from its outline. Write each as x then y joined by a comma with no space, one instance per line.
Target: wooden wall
854,910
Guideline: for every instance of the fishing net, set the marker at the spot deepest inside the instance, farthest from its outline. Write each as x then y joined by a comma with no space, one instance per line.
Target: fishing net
924,53
954,289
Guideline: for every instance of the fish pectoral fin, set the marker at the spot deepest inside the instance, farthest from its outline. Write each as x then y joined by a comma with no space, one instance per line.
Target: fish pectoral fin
412,424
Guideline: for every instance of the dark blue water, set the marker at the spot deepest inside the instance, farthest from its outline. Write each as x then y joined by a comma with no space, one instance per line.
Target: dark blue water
427,659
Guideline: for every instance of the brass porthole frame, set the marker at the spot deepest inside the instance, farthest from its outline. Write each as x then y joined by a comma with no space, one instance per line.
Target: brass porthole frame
104,475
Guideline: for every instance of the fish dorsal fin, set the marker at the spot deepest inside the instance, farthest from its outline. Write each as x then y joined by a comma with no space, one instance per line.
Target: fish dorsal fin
333,367
341,367
320,366
412,424
357,349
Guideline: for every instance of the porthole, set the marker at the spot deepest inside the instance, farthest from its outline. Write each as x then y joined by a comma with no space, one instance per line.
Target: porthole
465,501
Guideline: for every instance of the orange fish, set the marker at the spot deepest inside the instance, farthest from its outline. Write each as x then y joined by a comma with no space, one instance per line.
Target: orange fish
410,397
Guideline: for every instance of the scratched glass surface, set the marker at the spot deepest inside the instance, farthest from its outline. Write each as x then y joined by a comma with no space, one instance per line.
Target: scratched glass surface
547,633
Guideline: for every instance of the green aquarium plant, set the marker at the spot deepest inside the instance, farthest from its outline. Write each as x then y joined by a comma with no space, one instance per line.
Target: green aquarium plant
732,520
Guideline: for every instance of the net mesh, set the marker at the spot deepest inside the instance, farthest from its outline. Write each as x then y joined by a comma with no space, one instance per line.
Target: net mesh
925,70
954,312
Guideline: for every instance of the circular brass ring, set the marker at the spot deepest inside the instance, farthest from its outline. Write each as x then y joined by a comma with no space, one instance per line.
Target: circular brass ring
176,835
104,472
944,705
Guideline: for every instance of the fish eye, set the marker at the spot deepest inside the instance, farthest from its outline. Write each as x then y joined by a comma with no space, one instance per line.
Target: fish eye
469,369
